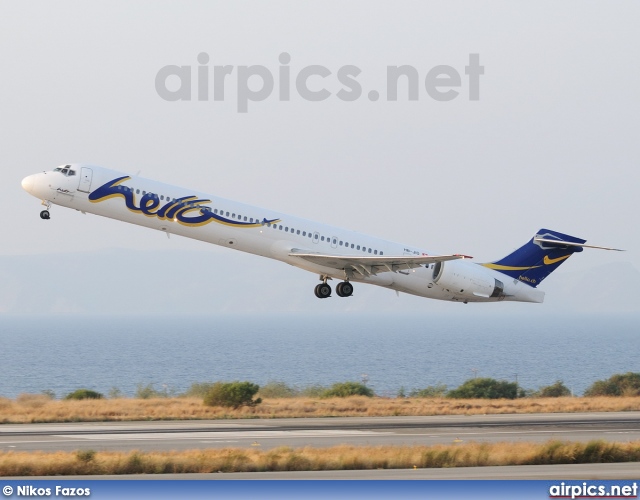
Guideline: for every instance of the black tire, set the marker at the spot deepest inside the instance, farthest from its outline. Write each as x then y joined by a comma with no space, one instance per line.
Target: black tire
323,291
315,290
345,289
45,214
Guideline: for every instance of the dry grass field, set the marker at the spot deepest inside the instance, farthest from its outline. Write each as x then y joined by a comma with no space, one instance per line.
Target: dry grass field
85,462
40,408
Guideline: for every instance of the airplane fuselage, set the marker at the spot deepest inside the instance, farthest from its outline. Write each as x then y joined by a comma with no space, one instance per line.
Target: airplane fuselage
193,214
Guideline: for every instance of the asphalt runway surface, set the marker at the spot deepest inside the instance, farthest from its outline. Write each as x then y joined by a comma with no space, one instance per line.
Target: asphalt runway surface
319,432
629,470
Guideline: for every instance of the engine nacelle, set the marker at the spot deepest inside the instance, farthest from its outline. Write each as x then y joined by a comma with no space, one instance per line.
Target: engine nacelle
467,281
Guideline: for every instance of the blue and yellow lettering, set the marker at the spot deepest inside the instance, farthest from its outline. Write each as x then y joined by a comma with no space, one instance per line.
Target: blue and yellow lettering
178,210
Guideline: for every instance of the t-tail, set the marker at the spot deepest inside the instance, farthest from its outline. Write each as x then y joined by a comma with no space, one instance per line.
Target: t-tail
540,256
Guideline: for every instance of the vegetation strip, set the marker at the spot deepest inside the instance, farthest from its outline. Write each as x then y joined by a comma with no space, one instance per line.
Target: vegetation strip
39,408
89,462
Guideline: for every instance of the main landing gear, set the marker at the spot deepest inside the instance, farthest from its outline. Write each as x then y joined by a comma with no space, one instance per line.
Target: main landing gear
323,290
344,289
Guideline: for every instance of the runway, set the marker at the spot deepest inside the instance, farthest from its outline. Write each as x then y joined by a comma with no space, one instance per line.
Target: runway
319,432
629,470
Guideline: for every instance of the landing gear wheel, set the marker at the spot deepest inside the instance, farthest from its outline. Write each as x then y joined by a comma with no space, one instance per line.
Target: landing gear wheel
344,289
322,291
45,215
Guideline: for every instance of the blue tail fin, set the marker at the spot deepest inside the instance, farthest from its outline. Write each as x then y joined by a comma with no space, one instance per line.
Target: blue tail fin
535,260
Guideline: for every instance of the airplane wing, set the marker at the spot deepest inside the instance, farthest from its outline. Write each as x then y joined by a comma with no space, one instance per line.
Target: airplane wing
372,265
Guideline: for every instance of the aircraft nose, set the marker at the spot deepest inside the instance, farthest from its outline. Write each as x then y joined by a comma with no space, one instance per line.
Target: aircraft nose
27,183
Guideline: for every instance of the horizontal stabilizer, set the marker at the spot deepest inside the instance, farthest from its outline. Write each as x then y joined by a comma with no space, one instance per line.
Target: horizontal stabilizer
559,244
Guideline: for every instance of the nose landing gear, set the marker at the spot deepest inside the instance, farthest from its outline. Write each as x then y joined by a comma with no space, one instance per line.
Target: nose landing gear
45,213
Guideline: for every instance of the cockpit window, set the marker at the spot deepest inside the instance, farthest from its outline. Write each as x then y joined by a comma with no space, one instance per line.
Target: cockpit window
66,171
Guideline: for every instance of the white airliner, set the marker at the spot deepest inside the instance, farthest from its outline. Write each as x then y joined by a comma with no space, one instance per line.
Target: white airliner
330,252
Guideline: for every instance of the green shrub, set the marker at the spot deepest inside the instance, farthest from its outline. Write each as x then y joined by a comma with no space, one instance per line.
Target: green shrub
627,384
49,393
557,390
149,391
198,389
313,391
85,455
346,389
431,391
84,394
278,389
232,394
486,388
115,393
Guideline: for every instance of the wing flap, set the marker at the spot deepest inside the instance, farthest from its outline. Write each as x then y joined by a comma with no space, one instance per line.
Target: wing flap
372,265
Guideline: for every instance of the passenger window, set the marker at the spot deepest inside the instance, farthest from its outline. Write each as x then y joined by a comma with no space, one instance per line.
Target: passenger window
358,247
322,238
381,253
304,233
286,229
334,241
375,252
340,243
162,197
215,210
137,191
250,220
369,250
280,227
245,218
298,231
351,245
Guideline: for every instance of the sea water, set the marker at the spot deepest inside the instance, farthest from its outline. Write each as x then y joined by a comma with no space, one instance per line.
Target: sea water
389,352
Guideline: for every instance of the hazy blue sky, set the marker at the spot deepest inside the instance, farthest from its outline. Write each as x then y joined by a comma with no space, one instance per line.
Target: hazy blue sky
552,141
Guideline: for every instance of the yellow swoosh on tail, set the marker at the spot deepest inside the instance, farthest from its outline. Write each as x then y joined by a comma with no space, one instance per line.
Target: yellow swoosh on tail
549,261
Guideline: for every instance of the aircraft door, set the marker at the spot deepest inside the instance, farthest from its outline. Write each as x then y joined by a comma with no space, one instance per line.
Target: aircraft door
85,180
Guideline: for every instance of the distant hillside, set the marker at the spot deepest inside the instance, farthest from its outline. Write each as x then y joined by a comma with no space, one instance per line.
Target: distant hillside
611,287
220,280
